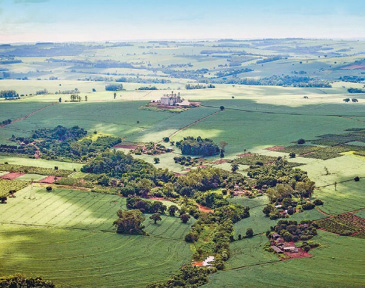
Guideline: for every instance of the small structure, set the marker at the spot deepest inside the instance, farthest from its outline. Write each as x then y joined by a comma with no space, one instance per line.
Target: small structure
291,249
275,236
277,249
171,99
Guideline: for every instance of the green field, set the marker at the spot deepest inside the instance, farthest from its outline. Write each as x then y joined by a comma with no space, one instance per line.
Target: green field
67,235
337,263
76,258
85,249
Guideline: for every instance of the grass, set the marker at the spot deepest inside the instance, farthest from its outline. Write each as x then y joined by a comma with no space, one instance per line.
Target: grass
31,177
75,244
335,264
75,258
8,185
40,163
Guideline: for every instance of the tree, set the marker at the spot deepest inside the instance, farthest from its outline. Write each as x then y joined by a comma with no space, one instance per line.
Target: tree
129,222
49,188
221,108
60,99
346,100
292,155
85,98
234,167
301,141
172,210
185,218
249,233
166,139
156,217
156,160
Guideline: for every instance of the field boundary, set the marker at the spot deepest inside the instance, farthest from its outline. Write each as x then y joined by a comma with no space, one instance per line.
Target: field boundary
28,115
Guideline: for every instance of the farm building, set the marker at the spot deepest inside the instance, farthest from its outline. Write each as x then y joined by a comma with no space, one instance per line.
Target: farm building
291,249
171,99
277,249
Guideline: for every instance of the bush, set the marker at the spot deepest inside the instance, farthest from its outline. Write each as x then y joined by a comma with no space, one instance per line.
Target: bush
308,206
301,141
357,178
318,202
49,188
191,237
292,155
249,233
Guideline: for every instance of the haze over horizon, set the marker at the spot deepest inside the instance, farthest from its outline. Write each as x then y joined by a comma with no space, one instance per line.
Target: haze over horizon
94,20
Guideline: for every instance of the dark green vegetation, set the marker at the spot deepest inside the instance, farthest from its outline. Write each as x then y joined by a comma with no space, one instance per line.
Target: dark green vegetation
292,231
197,146
34,170
345,224
61,143
21,281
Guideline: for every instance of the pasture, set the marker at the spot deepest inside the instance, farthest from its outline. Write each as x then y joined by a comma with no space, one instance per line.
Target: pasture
67,236
335,263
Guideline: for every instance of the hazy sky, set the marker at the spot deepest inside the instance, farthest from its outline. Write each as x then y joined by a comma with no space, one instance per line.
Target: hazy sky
96,20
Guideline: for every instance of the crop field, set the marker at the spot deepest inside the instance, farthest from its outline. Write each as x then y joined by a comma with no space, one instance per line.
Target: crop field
79,210
336,263
86,250
31,177
75,258
8,185
41,163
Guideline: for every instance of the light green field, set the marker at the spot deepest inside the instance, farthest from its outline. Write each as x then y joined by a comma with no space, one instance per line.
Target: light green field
360,213
31,177
85,248
79,210
335,264
40,163
76,258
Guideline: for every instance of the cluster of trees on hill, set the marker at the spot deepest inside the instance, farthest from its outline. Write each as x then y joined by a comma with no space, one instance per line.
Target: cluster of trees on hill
198,146
355,90
7,94
233,72
19,280
275,80
61,142
148,88
114,87
198,86
270,59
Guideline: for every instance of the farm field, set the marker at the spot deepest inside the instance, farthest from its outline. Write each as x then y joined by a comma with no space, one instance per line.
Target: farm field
87,248
335,263
77,258
297,89
74,209
40,163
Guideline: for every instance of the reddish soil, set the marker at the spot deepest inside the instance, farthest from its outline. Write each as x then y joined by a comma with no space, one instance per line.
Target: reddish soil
275,148
305,154
198,263
178,174
300,254
155,198
204,209
125,146
245,155
202,166
49,179
220,161
12,175
354,67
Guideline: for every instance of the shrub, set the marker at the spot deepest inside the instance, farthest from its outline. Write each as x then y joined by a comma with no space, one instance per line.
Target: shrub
249,233
308,206
318,202
292,155
301,141
357,178
49,188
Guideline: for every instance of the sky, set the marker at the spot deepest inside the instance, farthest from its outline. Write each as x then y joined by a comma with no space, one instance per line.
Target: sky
125,20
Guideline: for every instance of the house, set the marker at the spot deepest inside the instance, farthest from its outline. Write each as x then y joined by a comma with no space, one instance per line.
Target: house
171,99
292,249
184,103
277,249
275,236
